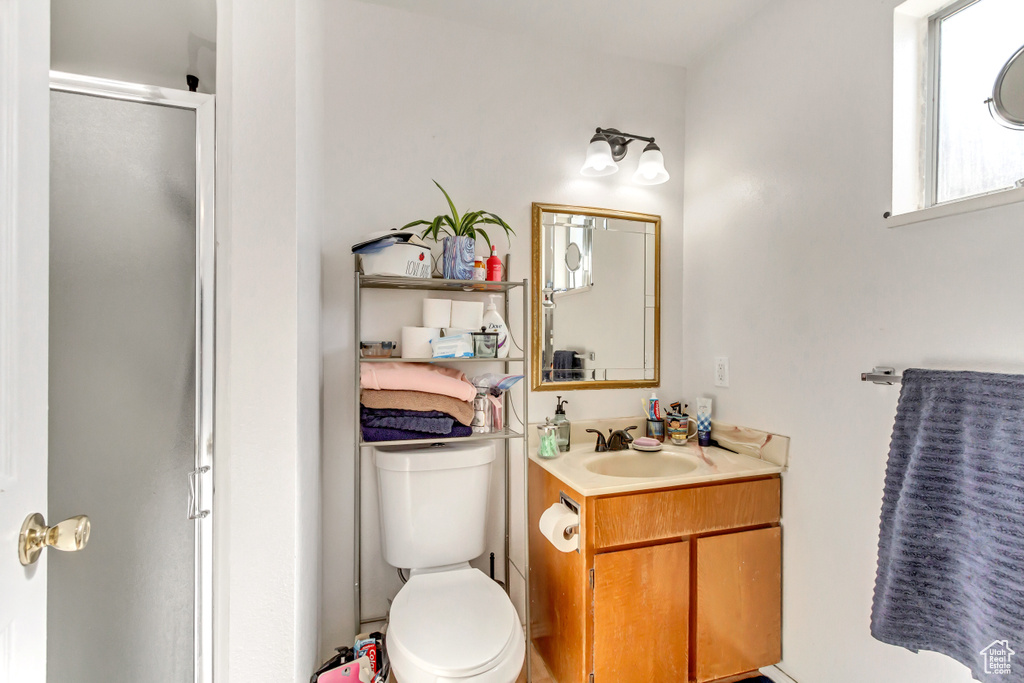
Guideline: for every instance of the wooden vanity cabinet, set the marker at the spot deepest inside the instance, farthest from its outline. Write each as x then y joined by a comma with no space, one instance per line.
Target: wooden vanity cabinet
641,622
677,584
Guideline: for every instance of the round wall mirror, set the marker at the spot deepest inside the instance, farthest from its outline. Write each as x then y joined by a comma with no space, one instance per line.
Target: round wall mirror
1007,101
573,257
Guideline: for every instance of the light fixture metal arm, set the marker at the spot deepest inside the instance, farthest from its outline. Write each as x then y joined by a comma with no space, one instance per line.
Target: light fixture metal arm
612,133
619,141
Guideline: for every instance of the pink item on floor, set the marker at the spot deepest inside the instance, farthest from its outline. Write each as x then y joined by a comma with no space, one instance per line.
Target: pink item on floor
358,671
433,379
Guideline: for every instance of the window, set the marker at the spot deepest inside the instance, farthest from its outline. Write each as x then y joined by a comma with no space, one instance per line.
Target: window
946,145
973,154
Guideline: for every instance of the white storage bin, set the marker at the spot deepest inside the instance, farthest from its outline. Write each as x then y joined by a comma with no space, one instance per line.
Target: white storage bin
403,260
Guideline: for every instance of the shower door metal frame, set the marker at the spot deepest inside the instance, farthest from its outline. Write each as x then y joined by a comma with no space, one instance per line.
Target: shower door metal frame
200,480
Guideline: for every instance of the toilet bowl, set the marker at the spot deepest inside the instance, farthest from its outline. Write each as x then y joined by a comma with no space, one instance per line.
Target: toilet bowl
454,625
450,622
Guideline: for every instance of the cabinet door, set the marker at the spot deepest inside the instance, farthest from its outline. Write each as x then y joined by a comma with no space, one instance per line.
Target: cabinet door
739,603
641,614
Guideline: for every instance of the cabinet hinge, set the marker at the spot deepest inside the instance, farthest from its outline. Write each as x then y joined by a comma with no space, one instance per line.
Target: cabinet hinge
591,586
591,675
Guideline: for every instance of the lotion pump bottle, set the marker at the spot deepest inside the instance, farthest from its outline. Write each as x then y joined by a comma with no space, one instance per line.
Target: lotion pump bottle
562,425
493,323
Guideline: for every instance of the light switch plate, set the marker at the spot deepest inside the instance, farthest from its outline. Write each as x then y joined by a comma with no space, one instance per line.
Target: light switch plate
721,371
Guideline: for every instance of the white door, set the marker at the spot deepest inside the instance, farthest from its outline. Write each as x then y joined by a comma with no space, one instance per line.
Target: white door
24,265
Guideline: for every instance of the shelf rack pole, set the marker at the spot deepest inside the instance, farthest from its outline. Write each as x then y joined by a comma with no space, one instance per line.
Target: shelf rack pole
357,456
506,413
525,327
506,401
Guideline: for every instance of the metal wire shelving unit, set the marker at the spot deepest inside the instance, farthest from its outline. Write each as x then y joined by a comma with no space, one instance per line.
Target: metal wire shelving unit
506,290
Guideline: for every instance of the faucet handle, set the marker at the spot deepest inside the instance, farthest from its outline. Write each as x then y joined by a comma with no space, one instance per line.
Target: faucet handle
601,446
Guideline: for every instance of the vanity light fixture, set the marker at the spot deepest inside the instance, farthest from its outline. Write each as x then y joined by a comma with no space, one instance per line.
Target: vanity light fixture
608,146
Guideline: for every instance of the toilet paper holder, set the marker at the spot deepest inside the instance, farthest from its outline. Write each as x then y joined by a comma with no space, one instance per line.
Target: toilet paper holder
568,502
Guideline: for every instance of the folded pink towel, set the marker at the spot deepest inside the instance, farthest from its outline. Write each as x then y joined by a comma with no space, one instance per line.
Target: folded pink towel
433,379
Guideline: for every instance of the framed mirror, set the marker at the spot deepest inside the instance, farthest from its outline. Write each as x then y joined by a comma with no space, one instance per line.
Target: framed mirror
596,299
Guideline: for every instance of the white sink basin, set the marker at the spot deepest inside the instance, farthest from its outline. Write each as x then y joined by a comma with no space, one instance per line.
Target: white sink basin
641,465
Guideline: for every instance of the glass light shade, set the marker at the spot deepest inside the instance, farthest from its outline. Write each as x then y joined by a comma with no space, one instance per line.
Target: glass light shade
651,169
599,161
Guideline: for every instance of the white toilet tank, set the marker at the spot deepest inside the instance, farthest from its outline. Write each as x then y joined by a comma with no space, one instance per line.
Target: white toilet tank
433,502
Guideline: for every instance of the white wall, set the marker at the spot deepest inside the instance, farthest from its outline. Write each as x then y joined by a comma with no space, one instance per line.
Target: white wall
140,41
269,214
500,122
790,271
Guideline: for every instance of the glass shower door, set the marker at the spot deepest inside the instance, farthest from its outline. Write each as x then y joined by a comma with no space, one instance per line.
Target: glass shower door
123,399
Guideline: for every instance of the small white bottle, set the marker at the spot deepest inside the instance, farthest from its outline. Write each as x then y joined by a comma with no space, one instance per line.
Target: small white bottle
493,323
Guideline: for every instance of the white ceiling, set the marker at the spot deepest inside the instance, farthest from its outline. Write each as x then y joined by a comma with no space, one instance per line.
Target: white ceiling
666,31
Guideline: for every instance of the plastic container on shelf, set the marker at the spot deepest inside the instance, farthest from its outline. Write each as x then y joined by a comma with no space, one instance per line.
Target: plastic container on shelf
401,260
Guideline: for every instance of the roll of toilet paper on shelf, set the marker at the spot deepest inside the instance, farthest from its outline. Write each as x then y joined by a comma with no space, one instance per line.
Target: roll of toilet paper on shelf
437,313
553,523
467,315
416,341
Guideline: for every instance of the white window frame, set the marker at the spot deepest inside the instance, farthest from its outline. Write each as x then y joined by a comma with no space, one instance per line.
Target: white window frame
916,39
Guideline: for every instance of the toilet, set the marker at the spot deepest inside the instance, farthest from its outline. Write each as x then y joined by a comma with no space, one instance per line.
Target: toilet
450,622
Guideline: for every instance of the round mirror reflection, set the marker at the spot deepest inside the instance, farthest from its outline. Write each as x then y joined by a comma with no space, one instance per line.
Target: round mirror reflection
1007,102
573,257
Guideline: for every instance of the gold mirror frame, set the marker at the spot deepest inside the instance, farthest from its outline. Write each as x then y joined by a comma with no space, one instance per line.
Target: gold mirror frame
536,371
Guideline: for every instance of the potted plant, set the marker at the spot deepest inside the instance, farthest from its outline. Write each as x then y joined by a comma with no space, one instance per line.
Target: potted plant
460,236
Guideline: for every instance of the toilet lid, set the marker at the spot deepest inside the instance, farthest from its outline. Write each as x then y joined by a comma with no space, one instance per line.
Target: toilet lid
452,623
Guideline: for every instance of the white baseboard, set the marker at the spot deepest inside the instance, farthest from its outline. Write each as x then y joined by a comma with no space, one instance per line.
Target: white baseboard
776,674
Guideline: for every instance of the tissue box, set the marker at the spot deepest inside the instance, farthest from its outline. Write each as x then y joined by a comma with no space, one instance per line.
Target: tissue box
402,260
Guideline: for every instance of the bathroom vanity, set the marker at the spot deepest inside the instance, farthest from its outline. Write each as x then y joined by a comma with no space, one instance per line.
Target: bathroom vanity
678,572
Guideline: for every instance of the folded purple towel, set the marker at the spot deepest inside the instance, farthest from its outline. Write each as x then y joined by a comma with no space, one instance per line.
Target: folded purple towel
385,434
429,421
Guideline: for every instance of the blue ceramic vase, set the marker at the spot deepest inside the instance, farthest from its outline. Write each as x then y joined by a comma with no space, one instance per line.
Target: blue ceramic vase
459,254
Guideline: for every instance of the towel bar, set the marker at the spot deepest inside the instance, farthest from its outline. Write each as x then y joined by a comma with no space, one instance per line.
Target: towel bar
880,375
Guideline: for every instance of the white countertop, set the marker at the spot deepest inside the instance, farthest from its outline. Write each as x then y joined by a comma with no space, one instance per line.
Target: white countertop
712,465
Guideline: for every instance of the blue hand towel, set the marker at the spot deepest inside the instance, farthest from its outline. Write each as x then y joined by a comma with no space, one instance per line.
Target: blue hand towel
429,421
951,544
386,434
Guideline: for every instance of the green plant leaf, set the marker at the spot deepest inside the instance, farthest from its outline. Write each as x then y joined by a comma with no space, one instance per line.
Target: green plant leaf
499,221
435,227
409,225
451,205
486,238
470,219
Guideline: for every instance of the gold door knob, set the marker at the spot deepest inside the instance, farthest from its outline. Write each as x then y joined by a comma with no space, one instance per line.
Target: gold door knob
70,535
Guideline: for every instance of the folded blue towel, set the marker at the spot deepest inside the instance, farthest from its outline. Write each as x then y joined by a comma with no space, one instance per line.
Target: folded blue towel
429,421
384,434
951,544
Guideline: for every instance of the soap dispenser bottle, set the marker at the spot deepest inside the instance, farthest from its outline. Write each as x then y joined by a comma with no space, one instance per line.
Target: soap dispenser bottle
493,322
563,426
